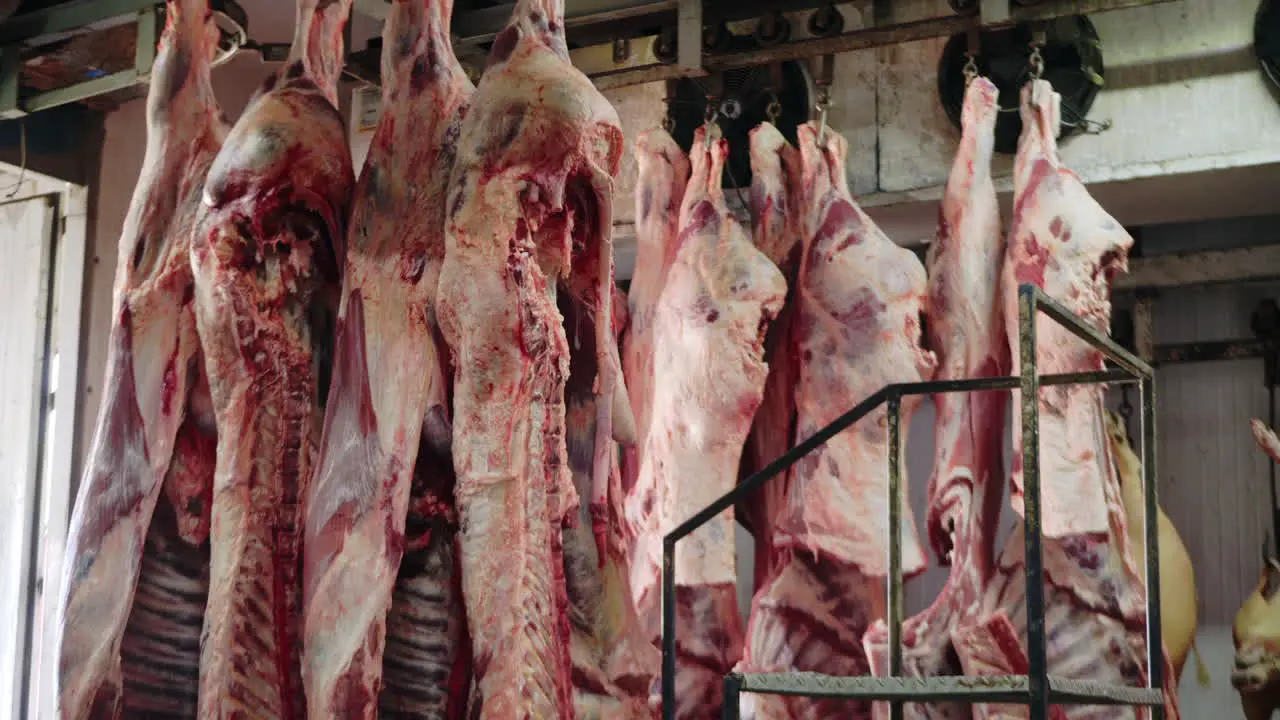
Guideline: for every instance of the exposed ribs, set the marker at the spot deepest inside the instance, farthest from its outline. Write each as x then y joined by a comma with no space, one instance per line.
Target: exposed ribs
136,568
266,260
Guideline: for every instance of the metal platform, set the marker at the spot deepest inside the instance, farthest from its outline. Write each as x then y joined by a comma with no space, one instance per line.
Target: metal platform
1037,688
994,689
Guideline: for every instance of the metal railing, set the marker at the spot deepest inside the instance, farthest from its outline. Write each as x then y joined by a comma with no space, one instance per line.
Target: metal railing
1037,688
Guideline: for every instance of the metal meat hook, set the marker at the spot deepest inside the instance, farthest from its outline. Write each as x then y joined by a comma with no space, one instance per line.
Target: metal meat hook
974,46
709,119
825,79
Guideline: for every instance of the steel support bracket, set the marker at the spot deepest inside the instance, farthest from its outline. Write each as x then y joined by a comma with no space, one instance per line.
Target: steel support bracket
149,25
994,12
10,80
689,37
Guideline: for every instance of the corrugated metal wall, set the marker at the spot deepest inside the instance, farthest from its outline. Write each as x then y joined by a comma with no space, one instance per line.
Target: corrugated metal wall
1213,477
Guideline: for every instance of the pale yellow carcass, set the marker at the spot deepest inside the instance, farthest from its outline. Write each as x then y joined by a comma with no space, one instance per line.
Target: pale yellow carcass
1256,630
1178,602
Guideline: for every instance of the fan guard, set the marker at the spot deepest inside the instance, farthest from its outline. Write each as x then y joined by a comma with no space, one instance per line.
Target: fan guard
1266,40
1072,56
742,100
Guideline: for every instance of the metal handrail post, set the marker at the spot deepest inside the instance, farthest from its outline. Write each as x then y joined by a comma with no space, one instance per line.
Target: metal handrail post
1151,534
895,545
1037,652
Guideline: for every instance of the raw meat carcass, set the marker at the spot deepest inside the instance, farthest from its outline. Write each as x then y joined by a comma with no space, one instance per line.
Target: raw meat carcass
137,563
529,235
775,219
708,348
1178,602
662,174
1064,242
1256,628
858,301
614,664
966,331
266,259
381,465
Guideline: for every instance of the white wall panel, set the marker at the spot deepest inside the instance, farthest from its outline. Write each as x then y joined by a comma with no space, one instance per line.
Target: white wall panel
1213,477
26,240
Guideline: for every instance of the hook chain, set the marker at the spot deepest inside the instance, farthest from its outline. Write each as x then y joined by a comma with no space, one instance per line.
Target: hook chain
709,118
970,69
824,101
1126,411
1036,60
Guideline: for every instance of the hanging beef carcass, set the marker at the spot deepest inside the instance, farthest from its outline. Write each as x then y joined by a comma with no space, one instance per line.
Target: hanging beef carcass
137,558
966,331
378,556
1256,628
775,219
1062,241
266,259
858,301
529,246
662,171
708,346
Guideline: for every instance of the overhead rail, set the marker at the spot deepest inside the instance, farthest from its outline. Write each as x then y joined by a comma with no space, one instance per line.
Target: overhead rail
24,33
650,58
1037,689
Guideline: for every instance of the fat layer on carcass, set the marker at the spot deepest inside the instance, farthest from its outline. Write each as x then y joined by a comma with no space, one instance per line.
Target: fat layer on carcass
775,223
383,489
266,260
858,300
529,232
708,333
1062,241
136,568
614,664
662,172
966,331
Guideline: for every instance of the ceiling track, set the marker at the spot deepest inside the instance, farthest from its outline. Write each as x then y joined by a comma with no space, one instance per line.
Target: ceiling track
622,61
639,64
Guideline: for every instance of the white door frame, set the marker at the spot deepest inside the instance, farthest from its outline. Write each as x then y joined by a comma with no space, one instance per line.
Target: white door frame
58,462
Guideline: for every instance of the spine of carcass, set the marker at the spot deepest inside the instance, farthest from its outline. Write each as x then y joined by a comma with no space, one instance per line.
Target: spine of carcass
374,483
133,595
529,225
266,268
